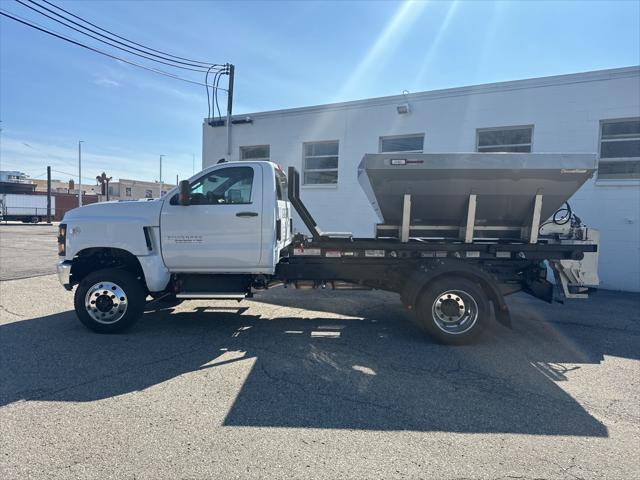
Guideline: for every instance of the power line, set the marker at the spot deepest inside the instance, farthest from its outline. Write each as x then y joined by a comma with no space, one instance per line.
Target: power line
204,64
145,49
101,52
214,100
54,158
215,94
109,41
212,103
206,81
73,175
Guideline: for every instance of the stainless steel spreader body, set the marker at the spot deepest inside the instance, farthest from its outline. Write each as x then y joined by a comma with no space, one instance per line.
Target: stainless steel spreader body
440,184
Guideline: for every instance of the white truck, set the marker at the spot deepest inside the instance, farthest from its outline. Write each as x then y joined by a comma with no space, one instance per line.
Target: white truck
25,208
459,232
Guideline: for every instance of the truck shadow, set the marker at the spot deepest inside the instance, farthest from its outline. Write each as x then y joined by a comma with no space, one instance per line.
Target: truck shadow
370,371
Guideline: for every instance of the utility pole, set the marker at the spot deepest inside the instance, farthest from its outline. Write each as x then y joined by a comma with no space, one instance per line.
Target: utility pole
48,194
232,70
161,175
80,172
193,163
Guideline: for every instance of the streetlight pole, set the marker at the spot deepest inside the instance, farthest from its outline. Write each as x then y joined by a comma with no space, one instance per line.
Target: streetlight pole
80,172
161,175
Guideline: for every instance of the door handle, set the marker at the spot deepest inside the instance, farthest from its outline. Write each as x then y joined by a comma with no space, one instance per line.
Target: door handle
246,214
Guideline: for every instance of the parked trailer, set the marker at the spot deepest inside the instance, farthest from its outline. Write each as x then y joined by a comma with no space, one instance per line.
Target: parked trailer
24,207
458,234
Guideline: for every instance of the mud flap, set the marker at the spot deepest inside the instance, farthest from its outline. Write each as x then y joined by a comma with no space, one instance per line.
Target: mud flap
540,288
502,314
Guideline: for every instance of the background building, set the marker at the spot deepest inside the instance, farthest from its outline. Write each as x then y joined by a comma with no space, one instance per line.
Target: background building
587,112
12,181
66,192
65,198
126,189
58,186
123,189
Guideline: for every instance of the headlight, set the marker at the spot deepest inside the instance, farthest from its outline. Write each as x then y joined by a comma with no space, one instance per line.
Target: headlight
62,239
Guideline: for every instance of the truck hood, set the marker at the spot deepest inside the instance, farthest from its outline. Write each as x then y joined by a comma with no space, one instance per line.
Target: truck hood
142,212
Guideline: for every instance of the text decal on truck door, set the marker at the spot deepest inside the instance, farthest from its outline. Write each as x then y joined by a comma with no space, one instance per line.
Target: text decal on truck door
185,238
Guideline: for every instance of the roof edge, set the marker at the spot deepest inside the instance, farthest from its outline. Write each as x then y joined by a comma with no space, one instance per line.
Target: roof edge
536,82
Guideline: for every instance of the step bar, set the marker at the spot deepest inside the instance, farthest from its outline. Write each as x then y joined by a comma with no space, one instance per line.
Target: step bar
211,296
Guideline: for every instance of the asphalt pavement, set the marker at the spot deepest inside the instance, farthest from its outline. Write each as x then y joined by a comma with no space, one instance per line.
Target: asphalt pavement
27,250
309,384
317,384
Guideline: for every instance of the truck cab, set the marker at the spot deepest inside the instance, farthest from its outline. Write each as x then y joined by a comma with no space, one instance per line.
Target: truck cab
236,219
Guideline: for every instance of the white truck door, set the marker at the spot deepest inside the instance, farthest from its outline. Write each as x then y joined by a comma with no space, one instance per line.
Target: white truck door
221,229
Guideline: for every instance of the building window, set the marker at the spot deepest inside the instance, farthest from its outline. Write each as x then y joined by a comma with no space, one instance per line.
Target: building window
504,139
148,194
320,163
127,191
402,143
256,152
619,149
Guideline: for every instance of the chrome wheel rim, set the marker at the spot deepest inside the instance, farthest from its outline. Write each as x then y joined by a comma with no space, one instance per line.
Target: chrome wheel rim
106,302
454,312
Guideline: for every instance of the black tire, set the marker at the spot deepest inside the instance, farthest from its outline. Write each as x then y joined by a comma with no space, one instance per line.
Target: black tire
97,290
439,302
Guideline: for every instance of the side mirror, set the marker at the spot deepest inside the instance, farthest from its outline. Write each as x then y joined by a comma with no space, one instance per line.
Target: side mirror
184,196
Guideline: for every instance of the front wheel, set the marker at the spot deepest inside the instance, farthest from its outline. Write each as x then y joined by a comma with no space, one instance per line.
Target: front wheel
453,310
109,301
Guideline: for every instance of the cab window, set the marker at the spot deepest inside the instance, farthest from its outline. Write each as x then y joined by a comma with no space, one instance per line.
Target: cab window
227,186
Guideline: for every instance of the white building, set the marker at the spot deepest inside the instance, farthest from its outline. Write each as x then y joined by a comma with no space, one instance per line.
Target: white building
14,176
585,112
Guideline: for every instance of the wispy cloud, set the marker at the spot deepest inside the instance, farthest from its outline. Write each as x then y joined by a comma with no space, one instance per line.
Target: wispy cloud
192,94
33,157
123,75
106,82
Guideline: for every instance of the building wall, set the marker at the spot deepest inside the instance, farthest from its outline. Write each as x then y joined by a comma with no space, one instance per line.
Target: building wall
565,111
14,176
127,189
58,186
117,189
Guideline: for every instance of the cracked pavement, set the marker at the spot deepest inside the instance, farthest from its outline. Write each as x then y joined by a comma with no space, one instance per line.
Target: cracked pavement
298,384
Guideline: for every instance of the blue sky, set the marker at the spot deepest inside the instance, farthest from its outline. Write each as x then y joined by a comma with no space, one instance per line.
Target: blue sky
286,54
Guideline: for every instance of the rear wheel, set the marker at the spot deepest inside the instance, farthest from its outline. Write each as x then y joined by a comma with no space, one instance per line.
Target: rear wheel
453,310
109,301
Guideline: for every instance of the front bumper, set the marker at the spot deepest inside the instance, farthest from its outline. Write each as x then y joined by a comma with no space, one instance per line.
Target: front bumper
64,273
